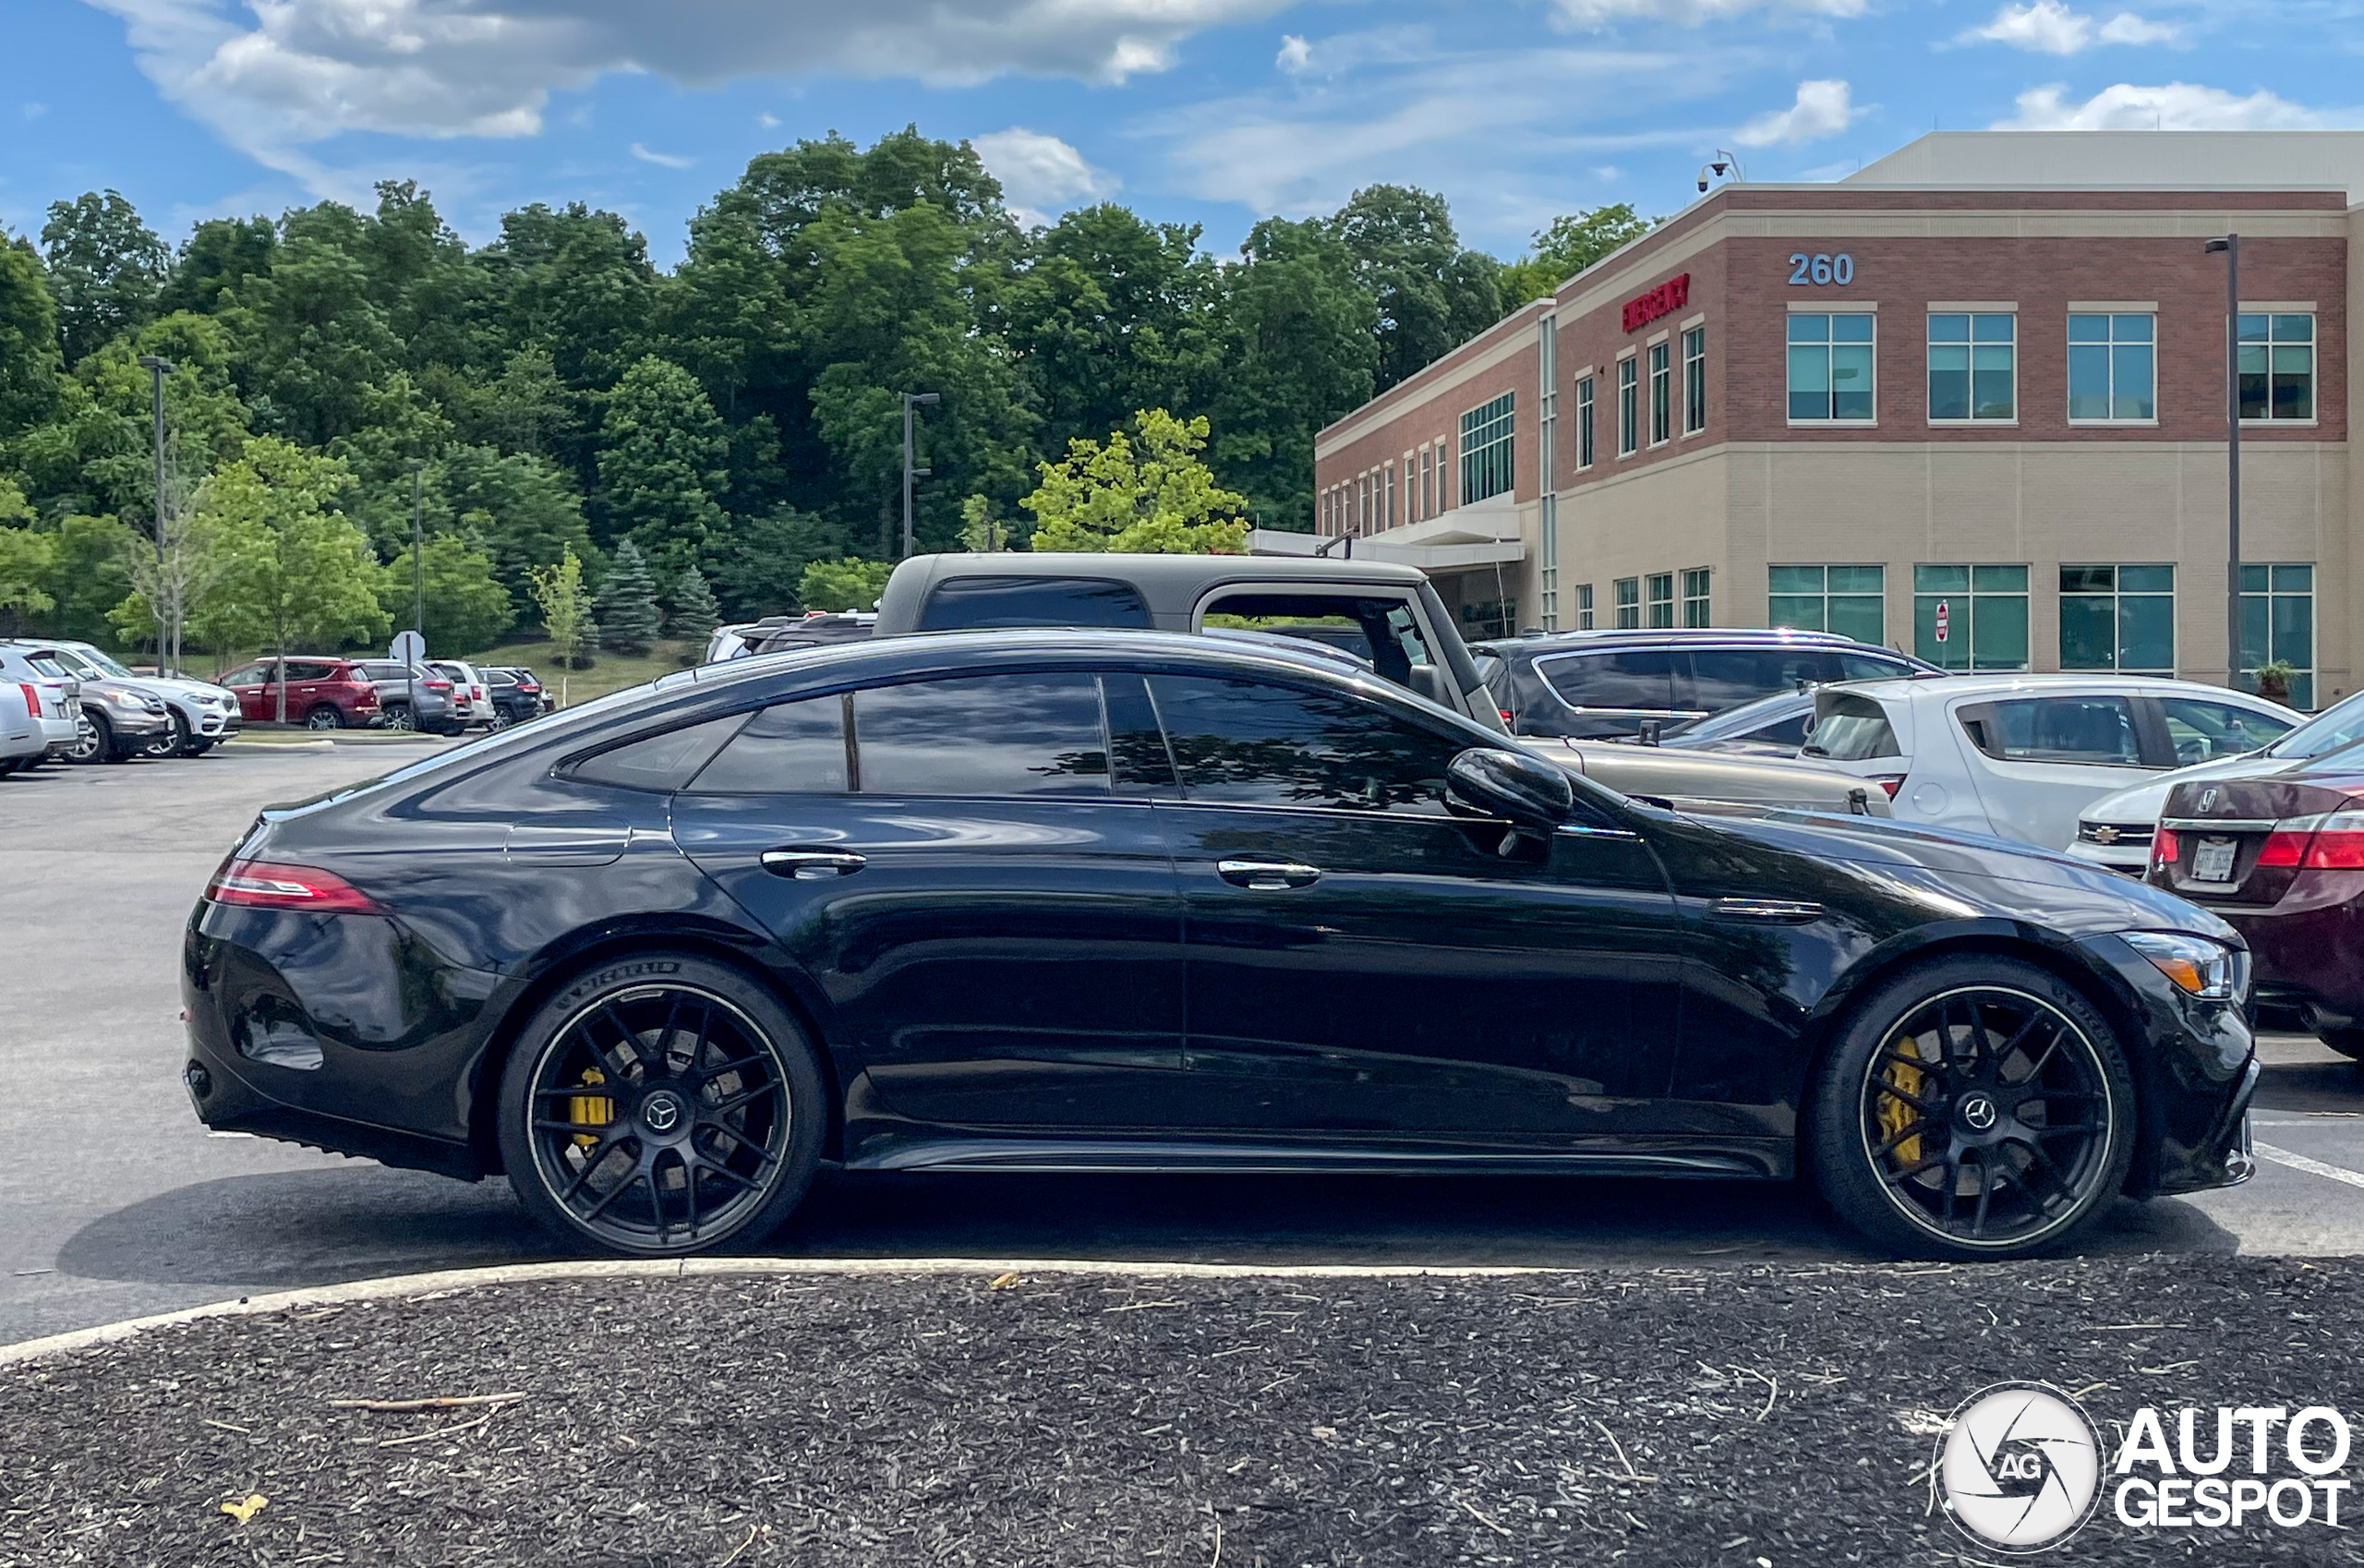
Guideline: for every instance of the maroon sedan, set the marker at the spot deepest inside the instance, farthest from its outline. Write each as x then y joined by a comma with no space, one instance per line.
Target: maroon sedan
2281,859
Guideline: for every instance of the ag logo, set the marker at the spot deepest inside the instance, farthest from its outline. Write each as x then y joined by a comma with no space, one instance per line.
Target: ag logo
2020,1468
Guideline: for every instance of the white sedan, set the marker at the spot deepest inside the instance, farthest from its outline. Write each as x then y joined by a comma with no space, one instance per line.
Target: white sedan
2116,830
2020,756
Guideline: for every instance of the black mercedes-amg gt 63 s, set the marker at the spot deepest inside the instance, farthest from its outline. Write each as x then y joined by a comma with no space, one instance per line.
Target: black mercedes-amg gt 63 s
1130,901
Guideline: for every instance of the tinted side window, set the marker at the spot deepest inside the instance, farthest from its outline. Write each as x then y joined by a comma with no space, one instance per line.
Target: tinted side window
1865,667
795,748
1247,742
2060,730
2202,730
1031,602
1790,731
1853,729
1643,679
1722,678
665,761
981,735
251,675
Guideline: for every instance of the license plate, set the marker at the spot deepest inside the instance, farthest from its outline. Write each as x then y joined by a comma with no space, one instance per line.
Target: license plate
2213,861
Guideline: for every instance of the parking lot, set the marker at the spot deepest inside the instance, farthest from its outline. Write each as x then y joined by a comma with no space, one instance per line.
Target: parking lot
121,1204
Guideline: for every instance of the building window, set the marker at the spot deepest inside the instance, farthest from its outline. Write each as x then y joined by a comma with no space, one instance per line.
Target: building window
1661,607
2278,368
2120,618
1830,368
1428,483
1584,423
1629,407
1584,607
1661,396
2113,368
1486,449
1973,368
2278,623
1695,597
1387,495
1971,617
1695,380
1444,473
1849,600
1629,601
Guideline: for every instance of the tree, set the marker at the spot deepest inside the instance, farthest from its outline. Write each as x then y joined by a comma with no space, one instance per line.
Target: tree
661,464
1567,245
982,532
628,618
848,583
26,558
105,267
89,581
518,509
565,608
28,362
218,258
297,569
466,608
1151,495
1432,295
693,615
757,567
311,337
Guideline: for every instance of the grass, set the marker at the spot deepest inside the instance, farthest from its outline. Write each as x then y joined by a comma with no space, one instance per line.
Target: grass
608,672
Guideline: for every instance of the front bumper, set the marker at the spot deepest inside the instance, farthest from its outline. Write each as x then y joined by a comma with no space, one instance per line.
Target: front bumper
137,724
2195,1068
2134,860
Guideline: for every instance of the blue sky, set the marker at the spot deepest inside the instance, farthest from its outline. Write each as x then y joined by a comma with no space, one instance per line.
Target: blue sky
1216,111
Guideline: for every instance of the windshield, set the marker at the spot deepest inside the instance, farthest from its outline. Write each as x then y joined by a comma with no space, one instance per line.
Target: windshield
103,662
1747,719
2340,724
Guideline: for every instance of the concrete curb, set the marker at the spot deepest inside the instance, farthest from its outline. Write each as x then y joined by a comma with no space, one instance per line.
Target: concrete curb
447,1282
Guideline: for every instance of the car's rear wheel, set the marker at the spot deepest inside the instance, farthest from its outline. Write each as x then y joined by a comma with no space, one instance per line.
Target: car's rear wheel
1974,1107
661,1107
325,717
398,716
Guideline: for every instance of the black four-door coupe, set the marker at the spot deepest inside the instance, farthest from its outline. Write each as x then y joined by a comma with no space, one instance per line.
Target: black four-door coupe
1106,900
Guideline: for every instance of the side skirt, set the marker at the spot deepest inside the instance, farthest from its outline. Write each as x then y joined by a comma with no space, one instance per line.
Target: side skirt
1769,1160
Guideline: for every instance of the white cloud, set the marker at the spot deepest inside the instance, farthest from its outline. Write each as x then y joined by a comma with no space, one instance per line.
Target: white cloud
280,76
1295,53
1692,13
2049,26
1039,175
768,120
2176,106
1823,108
666,159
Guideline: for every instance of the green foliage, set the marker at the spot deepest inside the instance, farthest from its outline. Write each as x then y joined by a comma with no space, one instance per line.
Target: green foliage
661,466
565,605
693,613
295,570
29,363
218,258
466,608
983,532
106,268
1150,494
1567,245
627,609
86,579
758,567
1431,294
520,508
848,583
27,559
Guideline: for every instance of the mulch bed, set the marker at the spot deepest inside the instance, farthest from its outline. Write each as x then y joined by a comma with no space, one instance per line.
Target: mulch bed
1753,1416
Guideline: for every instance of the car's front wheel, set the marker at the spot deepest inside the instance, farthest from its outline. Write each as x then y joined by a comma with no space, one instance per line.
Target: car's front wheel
661,1107
1972,1107
94,739
173,742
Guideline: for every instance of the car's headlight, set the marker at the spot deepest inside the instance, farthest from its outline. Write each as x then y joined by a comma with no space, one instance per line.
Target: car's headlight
124,699
2205,969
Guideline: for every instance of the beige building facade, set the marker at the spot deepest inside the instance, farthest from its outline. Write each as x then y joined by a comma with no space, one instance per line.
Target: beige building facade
1981,420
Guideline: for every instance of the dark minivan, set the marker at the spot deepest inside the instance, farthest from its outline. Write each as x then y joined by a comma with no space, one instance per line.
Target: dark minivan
1604,686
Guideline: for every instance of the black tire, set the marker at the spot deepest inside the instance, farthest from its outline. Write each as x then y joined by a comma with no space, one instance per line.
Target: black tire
398,717
747,1080
2348,1042
200,745
93,739
326,715
174,742
1930,1054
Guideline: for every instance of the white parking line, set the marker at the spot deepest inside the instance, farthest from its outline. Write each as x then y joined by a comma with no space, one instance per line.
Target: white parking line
2312,1167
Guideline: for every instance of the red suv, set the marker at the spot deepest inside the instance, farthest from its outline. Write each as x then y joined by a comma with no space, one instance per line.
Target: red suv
322,693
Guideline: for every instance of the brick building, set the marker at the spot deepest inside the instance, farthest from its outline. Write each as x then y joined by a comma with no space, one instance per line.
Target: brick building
1956,404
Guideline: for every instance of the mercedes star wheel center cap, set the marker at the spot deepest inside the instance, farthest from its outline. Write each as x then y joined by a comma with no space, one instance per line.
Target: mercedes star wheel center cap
1978,1113
662,1112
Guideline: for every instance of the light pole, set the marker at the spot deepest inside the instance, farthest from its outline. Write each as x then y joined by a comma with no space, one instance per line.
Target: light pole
2231,246
910,472
418,590
157,370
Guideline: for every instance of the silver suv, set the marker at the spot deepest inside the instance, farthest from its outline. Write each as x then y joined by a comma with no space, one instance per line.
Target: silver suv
202,714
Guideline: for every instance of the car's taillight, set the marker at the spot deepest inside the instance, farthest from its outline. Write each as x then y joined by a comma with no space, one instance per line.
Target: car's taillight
266,885
2164,848
1890,782
476,693
2339,843
32,700
2283,848
439,685
1505,713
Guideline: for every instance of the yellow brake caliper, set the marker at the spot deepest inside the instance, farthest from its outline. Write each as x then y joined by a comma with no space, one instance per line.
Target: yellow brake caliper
1896,1115
590,1110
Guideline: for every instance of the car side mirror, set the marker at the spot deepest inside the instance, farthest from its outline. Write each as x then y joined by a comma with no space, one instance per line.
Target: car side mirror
1527,791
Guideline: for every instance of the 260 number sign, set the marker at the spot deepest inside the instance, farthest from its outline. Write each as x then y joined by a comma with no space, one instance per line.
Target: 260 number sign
1821,271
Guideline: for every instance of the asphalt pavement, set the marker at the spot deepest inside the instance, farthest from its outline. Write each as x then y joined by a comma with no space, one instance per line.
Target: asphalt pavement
119,1204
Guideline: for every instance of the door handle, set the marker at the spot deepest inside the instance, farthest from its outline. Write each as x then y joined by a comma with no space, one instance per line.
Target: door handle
812,865
1268,877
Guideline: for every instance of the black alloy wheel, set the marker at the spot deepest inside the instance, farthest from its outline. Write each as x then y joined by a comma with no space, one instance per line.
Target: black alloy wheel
661,1107
1975,1108
173,742
325,717
94,739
